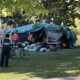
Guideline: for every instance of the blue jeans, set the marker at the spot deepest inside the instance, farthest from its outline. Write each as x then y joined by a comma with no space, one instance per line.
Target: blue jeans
15,42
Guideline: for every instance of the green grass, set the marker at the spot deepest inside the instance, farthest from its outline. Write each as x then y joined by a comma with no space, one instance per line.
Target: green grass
60,63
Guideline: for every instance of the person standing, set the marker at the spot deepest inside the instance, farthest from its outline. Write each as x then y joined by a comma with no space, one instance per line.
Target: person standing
5,51
15,39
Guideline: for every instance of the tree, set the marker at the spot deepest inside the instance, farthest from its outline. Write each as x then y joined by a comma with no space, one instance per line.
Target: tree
63,11
22,12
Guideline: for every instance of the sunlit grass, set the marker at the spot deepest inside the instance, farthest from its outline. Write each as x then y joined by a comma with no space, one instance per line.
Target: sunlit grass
58,63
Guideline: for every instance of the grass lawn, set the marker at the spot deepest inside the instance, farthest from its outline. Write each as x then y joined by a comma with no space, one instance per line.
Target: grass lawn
60,63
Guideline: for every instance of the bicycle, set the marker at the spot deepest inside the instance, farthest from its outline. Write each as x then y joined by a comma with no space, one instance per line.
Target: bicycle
13,51
24,54
19,50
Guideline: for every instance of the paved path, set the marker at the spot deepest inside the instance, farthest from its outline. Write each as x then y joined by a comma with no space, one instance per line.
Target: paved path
61,78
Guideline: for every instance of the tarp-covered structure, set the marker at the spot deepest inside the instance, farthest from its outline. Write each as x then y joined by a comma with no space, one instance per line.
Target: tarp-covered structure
38,26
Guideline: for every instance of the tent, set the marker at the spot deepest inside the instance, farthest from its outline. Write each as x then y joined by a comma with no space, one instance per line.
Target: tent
49,27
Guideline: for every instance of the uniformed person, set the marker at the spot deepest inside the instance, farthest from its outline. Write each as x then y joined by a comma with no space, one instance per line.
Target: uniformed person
5,51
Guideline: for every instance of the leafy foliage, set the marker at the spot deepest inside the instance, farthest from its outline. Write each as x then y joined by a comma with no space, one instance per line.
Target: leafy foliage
21,12
63,11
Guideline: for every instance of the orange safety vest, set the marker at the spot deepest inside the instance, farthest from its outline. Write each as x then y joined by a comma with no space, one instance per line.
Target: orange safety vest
31,36
15,36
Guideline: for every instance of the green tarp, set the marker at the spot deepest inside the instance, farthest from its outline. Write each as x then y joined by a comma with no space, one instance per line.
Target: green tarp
73,36
69,33
54,27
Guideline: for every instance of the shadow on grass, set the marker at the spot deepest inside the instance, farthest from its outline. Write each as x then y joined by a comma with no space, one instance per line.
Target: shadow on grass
47,65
